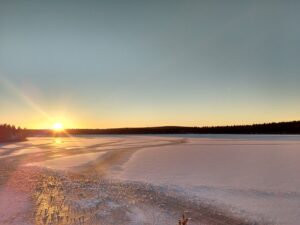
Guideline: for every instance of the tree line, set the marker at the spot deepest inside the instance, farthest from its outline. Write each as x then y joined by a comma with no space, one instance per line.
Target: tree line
10,133
266,128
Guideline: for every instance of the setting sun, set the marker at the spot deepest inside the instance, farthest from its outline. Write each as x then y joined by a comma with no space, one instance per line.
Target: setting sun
57,126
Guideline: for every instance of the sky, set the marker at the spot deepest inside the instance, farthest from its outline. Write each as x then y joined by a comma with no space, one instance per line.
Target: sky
135,63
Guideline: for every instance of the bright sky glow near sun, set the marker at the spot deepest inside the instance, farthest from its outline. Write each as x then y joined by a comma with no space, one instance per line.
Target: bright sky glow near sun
99,64
58,126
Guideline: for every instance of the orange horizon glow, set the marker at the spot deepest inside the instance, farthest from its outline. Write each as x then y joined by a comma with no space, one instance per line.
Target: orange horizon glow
62,125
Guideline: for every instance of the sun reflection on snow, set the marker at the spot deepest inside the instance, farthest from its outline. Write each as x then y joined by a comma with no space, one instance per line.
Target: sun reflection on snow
57,141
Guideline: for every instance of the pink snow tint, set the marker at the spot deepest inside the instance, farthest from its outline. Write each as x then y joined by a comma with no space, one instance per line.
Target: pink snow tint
254,175
14,207
15,196
67,162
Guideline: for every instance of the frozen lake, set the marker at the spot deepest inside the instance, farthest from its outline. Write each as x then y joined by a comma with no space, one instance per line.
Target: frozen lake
255,176
258,176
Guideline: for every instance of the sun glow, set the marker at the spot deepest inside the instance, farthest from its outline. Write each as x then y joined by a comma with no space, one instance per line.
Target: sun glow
58,127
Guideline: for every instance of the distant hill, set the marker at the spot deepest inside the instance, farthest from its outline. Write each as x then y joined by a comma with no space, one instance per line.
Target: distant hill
266,128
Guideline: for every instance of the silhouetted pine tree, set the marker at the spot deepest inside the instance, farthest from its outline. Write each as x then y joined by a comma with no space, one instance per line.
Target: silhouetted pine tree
11,133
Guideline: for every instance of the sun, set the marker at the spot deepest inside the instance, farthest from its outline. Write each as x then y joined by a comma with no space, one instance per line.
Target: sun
57,126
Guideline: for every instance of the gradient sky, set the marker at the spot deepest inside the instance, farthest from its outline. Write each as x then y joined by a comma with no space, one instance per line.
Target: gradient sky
125,63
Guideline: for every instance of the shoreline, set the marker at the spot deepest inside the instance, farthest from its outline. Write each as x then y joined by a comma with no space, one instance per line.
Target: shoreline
87,191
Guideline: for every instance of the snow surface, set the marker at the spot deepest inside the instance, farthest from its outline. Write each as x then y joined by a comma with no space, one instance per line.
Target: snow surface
255,176
13,207
67,162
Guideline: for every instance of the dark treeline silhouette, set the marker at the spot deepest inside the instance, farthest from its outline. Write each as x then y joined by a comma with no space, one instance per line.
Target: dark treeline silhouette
10,133
266,128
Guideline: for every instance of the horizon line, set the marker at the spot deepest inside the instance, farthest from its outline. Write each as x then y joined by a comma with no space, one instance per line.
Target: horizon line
171,126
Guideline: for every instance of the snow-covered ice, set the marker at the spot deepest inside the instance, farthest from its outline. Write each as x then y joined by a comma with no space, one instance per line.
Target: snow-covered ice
252,176
67,162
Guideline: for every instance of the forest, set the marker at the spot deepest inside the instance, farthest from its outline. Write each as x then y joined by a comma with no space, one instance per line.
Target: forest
292,127
9,133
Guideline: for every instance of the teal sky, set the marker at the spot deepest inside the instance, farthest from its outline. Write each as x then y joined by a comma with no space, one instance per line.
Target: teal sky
148,63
